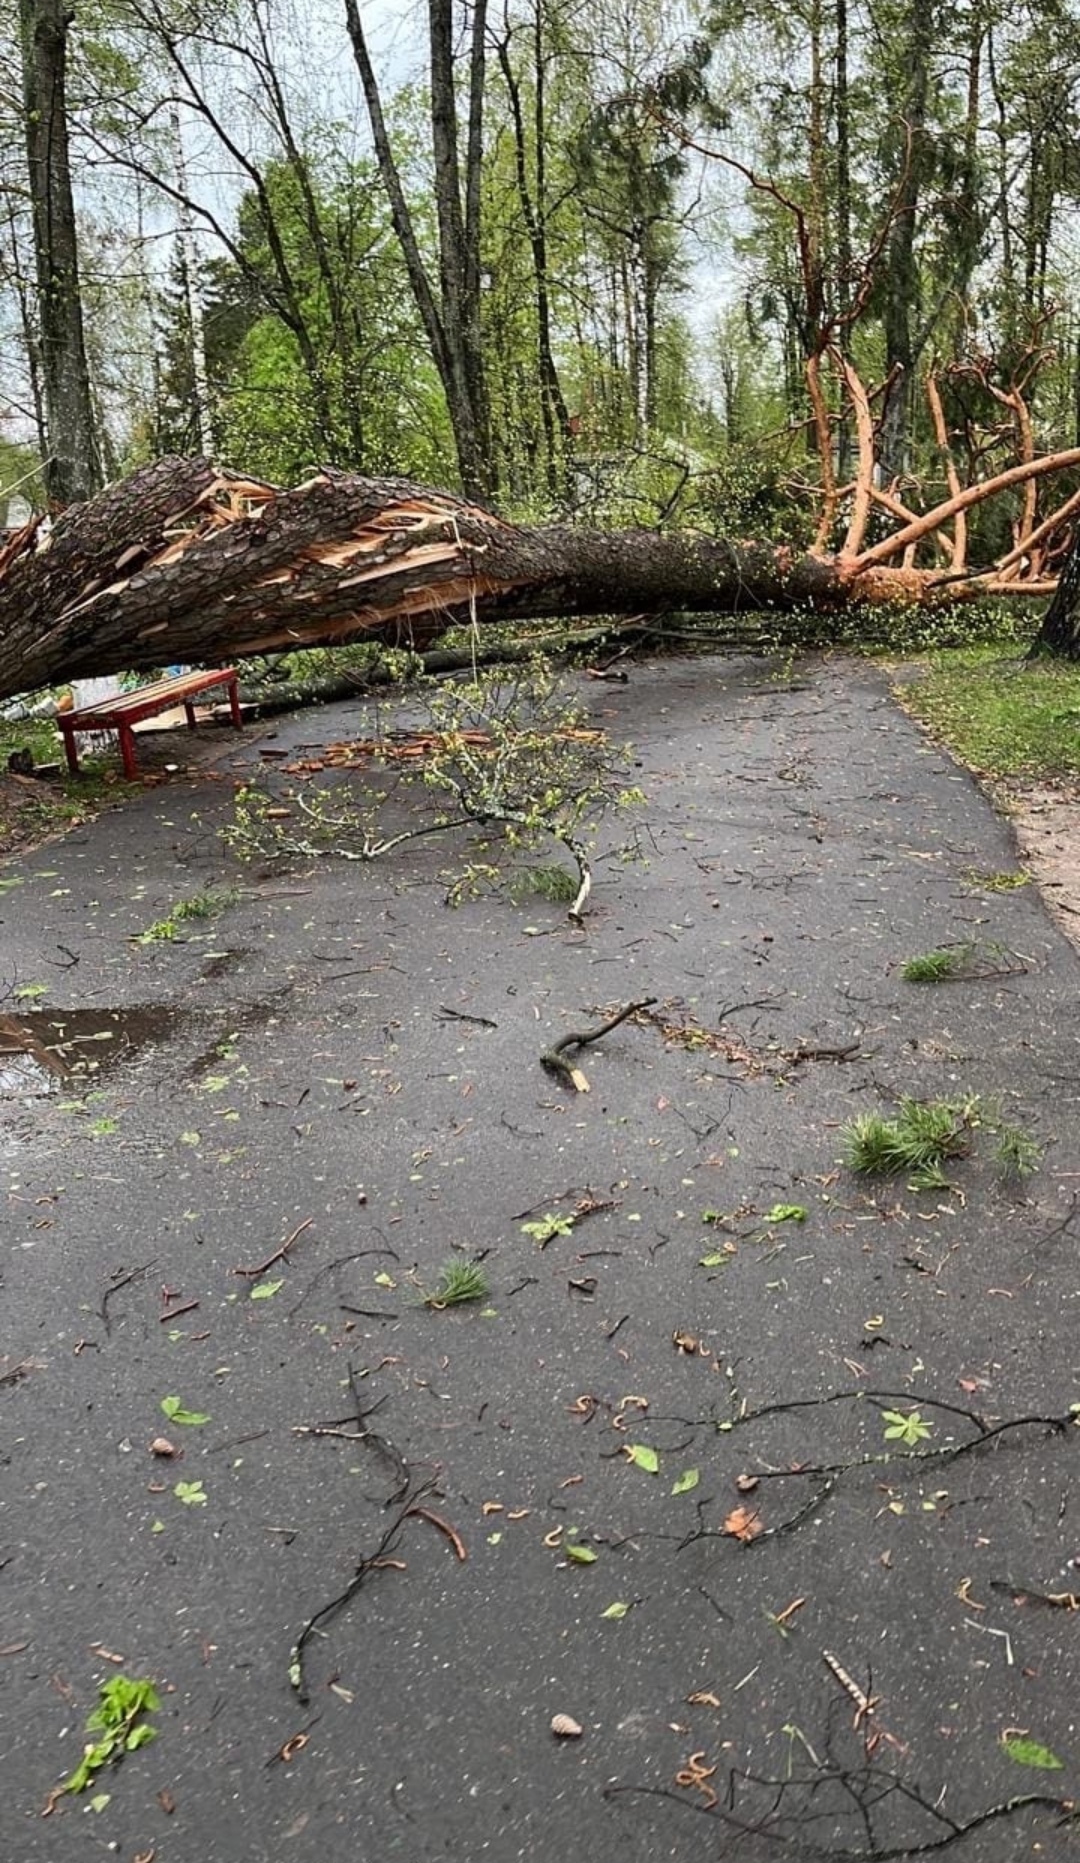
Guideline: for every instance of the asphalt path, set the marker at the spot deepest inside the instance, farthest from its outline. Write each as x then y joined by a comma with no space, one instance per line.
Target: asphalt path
544,1503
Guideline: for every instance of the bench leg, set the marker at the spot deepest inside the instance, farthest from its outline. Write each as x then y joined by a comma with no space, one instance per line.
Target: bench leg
234,705
189,713
71,749
127,752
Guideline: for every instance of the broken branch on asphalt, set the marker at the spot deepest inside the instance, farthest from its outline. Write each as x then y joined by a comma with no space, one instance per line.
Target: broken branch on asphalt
1025,1594
554,1058
443,1526
861,1790
826,1475
371,1563
361,1432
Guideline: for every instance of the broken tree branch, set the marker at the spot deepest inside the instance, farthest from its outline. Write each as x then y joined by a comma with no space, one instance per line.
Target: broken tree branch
554,1058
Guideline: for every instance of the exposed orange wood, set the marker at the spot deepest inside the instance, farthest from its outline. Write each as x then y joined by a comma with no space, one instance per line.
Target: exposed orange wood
971,495
864,434
941,433
1044,530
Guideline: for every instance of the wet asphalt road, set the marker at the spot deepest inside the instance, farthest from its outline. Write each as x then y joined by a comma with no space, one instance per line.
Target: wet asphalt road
307,1063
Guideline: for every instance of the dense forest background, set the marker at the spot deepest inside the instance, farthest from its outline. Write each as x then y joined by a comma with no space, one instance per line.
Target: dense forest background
621,263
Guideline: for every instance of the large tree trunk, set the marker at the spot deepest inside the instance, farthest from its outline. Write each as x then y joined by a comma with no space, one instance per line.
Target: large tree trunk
184,562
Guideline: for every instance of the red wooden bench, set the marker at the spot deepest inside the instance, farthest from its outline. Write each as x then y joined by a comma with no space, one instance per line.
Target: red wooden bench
124,711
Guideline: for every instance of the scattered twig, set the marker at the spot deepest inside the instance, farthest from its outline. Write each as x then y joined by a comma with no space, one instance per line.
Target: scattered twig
456,1541
328,1429
852,1051
381,1444
875,1853
279,1254
864,1703
938,1452
993,1630
587,1204
16,1373
554,1058
174,1313
361,1432
458,1015
326,1612
115,1286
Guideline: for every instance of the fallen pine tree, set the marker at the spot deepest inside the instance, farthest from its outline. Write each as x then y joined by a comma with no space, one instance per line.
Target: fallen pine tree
185,561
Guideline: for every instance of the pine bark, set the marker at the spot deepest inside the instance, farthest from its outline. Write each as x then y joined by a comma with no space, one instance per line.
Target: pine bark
183,562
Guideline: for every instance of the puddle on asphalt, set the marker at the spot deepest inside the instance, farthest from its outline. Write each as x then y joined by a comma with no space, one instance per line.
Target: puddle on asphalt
43,1049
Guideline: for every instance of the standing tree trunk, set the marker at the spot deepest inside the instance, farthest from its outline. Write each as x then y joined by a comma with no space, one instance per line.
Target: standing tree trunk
72,468
450,312
900,270
844,267
554,415
1059,635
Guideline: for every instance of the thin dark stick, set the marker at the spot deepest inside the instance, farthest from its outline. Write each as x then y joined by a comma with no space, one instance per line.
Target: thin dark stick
175,1312
115,1287
279,1253
327,1611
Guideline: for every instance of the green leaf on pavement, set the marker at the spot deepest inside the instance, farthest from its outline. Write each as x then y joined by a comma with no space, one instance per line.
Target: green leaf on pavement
174,1410
1030,1753
906,1427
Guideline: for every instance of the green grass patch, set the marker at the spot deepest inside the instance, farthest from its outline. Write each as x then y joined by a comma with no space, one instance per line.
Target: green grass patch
1007,880
972,959
924,1135
999,713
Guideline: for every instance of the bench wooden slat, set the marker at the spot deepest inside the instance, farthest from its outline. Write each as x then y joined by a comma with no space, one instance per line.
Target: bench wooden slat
128,708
